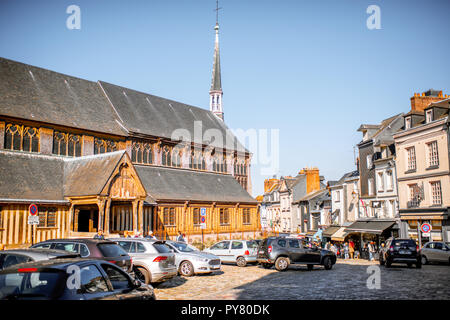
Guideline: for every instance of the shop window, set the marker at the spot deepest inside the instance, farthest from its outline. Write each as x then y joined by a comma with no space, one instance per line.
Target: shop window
246,219
196,216
224,217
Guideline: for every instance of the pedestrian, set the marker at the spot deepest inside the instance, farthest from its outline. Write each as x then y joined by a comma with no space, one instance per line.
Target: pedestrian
150,236
371,248
2,246
180,237
351,249
346,250
99,235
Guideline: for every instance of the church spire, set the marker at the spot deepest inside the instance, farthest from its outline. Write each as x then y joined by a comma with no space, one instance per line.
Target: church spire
216,93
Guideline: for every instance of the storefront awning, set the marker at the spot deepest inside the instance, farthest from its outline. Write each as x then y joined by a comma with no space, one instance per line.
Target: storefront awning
328,232
339,235
371,226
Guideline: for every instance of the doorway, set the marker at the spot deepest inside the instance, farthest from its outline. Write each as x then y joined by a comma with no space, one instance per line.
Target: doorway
87,220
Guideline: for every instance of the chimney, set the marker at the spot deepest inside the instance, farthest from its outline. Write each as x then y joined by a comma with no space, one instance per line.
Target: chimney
420,101
269,183
312,179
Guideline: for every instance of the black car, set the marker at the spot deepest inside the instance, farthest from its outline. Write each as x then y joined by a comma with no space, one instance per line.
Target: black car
9,258
92,248
283,251
70,279
400,251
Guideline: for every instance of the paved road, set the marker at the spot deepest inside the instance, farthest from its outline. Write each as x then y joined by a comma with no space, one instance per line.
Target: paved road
347,280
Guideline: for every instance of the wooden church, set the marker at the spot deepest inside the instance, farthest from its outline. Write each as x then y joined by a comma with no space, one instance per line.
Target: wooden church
96,156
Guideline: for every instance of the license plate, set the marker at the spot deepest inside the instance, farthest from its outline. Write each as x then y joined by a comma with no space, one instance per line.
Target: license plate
404,252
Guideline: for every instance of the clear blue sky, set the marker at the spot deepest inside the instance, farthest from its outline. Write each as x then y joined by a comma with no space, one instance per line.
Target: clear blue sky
309,68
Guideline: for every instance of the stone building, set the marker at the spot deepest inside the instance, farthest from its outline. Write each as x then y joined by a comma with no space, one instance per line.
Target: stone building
96,156
423,164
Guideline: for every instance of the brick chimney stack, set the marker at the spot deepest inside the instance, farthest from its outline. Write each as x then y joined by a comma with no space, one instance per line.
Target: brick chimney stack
420,101
312,179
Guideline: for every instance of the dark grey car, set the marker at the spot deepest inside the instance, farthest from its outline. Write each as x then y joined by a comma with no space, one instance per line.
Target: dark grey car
283,251
10,258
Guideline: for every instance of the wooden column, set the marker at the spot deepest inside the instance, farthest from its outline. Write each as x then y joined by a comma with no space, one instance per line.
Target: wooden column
101,207
107,216
75,225
141,217
135,215
69,227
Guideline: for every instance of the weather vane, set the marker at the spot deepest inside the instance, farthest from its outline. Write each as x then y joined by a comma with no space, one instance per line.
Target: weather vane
217,11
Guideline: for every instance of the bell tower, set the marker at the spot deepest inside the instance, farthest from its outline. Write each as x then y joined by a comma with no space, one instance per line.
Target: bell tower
216,93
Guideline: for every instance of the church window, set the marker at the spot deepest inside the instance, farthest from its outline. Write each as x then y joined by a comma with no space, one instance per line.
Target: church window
167,156
22,138
47,217
169,217
197,161
141,152
224,217
176,158
104,145
246,218
196,217
66,144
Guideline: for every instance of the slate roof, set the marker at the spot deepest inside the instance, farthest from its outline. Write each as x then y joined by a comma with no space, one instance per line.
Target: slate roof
88,175
347,175
144,113
313,195
38,94
31,176
177,184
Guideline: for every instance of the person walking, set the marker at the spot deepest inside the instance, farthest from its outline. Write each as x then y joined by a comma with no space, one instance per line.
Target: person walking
351,248
180,237
346,250
150,236
99,235
371,248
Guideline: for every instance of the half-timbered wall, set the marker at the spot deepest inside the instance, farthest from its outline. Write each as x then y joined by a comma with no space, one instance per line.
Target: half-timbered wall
15,232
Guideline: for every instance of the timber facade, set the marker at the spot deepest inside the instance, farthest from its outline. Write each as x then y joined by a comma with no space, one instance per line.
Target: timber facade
95,156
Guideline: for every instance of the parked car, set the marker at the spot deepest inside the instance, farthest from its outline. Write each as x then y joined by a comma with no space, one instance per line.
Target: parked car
153,262
50,280
400,251
92,248
435,251
190,261
283,251
10,258
240,252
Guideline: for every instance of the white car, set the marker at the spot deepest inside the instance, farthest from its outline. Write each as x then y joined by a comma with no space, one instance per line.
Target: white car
190,261
240,252
435,252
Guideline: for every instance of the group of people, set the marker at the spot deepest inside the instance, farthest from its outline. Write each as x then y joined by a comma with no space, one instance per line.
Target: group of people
349,250
133,234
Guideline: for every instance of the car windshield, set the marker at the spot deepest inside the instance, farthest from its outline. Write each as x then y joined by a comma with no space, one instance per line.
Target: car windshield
183,247
252,244
20,285
111,250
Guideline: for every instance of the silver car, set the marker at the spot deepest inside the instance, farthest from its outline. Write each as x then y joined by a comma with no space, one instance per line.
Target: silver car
153,261
10,258
190,261
240,252
435,252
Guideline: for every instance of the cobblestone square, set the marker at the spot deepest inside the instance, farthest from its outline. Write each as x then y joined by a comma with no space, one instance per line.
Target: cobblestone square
347,280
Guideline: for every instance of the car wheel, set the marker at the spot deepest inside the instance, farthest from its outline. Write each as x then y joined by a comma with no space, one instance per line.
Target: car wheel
266,265
327,263
409,265
310,267
186,269
142,274
418,265
241,262
281,264
424,260
381,260
388,263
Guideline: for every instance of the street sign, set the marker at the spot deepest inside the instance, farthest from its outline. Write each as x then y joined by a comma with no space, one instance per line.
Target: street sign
33,209
202,218
425,227
33,220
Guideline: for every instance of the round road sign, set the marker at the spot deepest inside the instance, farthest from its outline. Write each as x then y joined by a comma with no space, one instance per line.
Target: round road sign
425,227
33,209
202,219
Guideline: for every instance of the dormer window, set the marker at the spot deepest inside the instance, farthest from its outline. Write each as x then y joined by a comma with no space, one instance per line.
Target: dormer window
408,123
429,115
